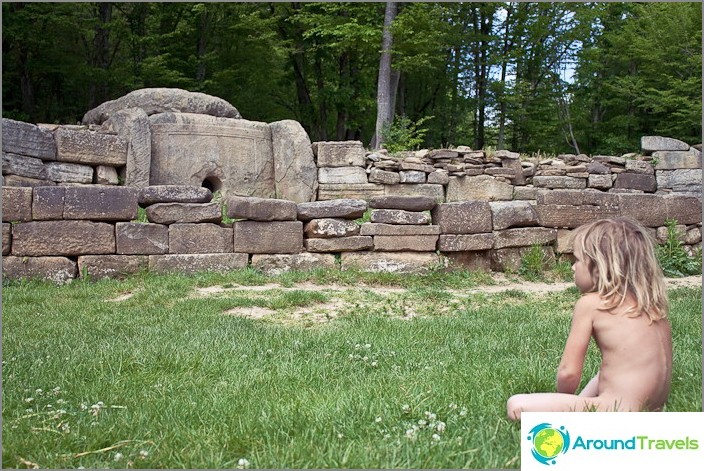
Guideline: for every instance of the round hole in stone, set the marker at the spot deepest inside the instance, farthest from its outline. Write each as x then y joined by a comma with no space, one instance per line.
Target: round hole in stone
212,183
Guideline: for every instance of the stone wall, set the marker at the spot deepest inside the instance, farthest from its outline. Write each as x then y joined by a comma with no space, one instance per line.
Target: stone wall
61,233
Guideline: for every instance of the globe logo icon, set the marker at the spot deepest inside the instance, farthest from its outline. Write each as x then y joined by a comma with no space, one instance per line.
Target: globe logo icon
548,442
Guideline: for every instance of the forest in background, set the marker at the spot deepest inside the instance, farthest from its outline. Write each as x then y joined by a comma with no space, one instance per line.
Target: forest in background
529,77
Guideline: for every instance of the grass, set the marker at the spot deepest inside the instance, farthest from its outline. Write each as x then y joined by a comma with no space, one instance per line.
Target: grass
151,372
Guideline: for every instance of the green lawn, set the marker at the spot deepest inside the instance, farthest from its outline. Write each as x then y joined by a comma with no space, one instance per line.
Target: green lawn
315,370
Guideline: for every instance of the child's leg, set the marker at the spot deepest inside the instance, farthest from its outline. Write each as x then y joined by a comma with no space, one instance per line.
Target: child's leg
549,402
592,387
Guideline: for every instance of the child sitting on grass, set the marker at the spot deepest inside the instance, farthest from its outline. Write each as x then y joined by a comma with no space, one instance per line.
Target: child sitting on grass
624,308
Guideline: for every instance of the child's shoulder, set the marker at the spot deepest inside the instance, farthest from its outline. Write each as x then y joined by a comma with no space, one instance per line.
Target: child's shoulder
589,301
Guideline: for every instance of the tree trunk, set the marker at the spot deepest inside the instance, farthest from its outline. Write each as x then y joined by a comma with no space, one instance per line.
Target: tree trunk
101,55
504,66
202,47
384,100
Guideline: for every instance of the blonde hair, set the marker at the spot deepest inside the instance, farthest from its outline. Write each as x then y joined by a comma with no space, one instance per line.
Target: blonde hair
620,256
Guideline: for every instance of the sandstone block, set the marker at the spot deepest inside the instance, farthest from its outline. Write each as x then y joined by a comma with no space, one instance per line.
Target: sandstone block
470,261
686,180
133,126
193,263
261,209
673,160
60,270
414,243
639,166
63,172
683,209
234,156
412,176
133,238
376,229
48,203
577,198
565,241
16,180
399,216
340,208
96,267
601,182
23,166
191,238
525,193
391,262
100,203
89,147
524,237
174,194
436,192
509,259
170,213
295,171
275,264
106,175
478,188
16,204
339,154
505,214
571,216
441,178
268,237
382,176
655,143
469,217
559,182
330,227
465,242
342,175
27,139
66,238
636,181
359,191
6,237
649,210
408,203
339,244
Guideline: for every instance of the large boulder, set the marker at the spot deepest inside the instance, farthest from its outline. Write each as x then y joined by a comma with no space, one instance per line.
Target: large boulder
161,100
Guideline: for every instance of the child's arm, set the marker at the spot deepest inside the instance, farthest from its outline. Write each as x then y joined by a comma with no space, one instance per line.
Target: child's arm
569,373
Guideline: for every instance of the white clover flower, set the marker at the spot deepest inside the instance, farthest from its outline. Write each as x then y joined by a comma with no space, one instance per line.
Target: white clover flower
440,427
56,391
377,420
38,391
365,358
369,345
65,427
453,406
463,412
435,437
406,408
143,454
410,433
28,399
430,416
374,363
340,436
387,436
242,463
118,456
422,422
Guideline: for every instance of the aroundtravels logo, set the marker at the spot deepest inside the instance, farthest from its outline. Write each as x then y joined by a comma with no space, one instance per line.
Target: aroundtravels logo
548,442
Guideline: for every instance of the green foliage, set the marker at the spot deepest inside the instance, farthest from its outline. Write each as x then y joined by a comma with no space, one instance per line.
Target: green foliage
673,258
534,263
404,134
366,217
141,216
218,198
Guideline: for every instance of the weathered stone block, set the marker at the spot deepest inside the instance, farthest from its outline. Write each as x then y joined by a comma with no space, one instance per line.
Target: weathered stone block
478,188
571,216
106,175
399,216
391,262
565,241
200,238
133,238
261,209
505,214
96,267
649,210
60,270
686,180
408,203
470,261
6,237
683,209
170,213
577,198
339,154
509,259
16,180
133,126
559,182
88,147
67,238
16,204
347,175
330,227
412,176
233,155
469,217
27,139
382,176
69,173
655,143
295,171
48,203
100,203
174,194
339,244
414,243
673,160
639,166
275,264
361,191
601,182
524,237
375,229
441,178
465,242
525,193
436,192
193,263
268,237
340,208
23,166
636,181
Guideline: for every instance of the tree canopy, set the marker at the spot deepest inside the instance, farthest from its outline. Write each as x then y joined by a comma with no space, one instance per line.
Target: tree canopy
551,77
